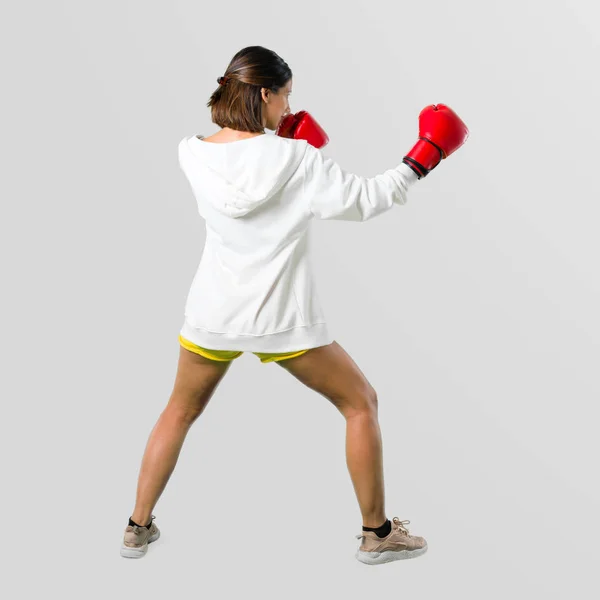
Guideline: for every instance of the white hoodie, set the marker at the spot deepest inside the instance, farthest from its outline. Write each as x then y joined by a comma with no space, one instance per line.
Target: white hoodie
254,290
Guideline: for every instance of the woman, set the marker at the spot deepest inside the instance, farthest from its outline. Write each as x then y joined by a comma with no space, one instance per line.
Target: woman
253,290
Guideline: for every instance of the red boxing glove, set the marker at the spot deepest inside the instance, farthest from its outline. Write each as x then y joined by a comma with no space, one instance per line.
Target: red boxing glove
441,132
302,126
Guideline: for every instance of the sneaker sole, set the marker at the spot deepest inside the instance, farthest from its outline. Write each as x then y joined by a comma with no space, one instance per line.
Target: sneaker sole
129,552
379,558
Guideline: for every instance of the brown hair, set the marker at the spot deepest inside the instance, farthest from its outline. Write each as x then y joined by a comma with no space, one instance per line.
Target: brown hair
237,102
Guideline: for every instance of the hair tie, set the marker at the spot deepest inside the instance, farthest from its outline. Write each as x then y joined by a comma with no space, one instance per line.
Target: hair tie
223,80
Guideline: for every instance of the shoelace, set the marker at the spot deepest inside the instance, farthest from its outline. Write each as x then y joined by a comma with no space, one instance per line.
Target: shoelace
399,527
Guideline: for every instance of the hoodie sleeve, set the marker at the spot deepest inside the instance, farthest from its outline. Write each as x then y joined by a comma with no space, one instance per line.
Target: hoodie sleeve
336,194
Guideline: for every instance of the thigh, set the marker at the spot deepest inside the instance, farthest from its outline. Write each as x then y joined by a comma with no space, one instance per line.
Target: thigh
330,371
196,380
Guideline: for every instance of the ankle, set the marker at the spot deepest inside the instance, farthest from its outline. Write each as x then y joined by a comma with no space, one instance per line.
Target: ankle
141,520
374,521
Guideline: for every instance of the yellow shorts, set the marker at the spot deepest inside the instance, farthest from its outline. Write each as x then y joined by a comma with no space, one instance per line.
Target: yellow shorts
226,355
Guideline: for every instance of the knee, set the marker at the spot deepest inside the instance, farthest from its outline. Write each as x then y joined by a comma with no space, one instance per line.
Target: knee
372,400
364,403
182,414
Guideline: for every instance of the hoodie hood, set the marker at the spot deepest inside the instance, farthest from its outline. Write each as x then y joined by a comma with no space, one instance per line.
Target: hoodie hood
237,177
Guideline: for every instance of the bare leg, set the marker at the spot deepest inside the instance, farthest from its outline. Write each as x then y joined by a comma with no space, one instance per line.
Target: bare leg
197,379
364,459
331,372
158,463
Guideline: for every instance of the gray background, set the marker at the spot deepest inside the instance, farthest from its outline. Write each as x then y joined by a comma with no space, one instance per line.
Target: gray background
473,309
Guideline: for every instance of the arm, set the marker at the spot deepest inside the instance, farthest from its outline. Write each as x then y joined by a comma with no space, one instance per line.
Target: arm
333,193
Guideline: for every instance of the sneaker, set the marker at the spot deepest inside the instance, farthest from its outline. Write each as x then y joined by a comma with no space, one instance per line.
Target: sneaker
399,544
136,539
